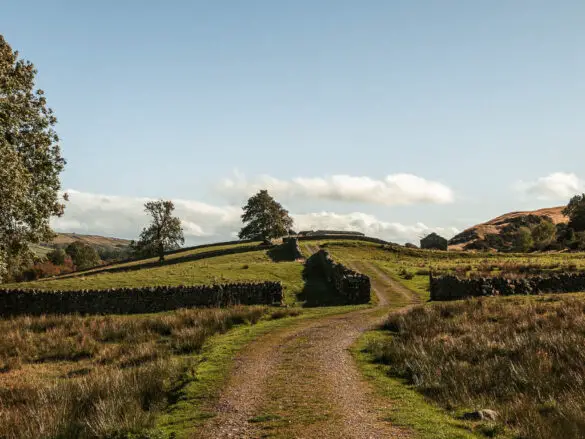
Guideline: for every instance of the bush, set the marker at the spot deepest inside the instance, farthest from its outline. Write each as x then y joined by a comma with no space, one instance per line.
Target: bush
82,255
405,274
57,256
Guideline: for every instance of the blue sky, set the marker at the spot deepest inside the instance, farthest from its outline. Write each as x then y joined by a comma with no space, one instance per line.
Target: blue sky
327,103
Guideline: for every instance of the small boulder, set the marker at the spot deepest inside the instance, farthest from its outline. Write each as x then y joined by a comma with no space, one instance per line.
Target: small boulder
481,415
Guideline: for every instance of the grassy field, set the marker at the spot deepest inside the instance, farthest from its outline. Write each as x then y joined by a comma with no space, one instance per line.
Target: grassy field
173,257
520,356
412,267
102,377
253,266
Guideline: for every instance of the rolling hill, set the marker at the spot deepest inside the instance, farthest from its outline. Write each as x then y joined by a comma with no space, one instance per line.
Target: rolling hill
495,225
93,240
64,239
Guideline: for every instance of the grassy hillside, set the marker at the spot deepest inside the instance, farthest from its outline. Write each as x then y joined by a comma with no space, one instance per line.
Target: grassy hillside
63,239
410,266
254,266
496,225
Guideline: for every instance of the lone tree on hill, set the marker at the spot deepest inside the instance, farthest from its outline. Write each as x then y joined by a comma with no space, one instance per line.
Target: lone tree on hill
264,218
575,210
30,161
163,234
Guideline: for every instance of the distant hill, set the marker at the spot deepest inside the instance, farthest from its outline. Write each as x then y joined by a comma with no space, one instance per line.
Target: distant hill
63,239
494,226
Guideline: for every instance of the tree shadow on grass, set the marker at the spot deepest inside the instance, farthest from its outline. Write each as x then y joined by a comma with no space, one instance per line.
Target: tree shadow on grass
317,291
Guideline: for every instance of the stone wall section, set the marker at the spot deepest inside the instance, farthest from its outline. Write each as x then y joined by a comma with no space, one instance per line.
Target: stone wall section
292,244
137,300
354,286
453,288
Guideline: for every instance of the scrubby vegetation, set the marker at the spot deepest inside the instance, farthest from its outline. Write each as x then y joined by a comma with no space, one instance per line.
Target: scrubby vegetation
101,377
521,357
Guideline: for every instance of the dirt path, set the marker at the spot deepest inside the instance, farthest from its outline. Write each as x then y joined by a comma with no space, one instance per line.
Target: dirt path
381,281
302,382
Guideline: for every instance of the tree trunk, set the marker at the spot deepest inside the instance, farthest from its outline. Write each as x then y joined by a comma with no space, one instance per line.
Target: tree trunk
161,253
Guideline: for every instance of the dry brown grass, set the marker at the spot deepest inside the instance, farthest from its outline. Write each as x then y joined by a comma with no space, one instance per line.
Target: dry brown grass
523,357
101,376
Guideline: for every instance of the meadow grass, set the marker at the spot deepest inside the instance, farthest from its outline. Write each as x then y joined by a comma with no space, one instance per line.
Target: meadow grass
520,356
412,267
102,376
255,266
148,261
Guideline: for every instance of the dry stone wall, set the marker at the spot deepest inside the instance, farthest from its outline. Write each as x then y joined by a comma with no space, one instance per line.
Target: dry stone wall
137,300
342,237
453,288
293,246
353,286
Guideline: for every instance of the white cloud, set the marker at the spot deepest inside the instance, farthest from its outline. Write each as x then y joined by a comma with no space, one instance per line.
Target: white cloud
397,189
558,185
370,225
124,217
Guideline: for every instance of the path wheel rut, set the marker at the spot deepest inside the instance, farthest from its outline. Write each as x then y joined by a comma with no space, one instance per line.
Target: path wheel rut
302,382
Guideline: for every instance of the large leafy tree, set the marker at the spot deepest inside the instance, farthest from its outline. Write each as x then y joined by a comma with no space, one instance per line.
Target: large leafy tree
575,210
163,234
30,159
264,218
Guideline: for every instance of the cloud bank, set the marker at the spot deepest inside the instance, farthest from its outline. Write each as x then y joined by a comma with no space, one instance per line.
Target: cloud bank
124,217
397,189
558,185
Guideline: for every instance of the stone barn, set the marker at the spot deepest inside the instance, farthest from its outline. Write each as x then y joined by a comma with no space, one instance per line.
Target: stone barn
434,242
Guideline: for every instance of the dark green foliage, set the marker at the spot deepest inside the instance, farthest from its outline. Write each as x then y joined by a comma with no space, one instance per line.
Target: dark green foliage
523,241
82,255
543,234
434,242
163,234
30,161
575,210
112,254
522,234
265,218
57,256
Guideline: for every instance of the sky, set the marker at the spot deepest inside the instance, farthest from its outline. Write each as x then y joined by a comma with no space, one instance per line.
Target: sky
395,118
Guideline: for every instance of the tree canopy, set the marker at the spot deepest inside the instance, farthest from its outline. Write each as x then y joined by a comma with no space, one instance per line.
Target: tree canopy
264,218
575,210
163,234
30,159
83,255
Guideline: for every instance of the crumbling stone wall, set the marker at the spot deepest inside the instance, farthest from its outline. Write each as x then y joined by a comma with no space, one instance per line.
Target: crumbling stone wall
354,286
293,246
451,287
137,300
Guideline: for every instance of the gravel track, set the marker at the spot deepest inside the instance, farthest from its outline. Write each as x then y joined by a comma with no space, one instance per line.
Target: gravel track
302,381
